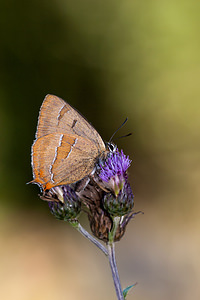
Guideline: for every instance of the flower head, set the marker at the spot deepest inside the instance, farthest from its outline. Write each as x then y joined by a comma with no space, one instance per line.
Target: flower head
113,171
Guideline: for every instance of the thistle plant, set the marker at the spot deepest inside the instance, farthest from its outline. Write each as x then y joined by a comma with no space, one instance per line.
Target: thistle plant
107,198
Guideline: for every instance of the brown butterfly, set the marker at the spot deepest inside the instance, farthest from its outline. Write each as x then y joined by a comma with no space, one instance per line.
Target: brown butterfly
66,147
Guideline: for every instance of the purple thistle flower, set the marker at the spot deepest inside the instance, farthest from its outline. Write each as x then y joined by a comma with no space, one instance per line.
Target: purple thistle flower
113,171
116,164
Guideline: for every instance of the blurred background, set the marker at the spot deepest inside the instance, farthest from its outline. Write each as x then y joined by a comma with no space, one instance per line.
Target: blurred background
110,60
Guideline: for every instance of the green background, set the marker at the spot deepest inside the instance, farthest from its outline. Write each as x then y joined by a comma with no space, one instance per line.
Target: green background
110,60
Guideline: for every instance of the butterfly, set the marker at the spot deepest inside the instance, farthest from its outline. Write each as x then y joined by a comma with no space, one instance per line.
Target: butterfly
66,146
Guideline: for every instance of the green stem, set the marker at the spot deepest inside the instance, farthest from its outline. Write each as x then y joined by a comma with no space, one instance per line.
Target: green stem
116,221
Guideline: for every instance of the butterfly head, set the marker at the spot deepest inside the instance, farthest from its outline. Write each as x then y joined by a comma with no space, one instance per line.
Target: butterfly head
111,147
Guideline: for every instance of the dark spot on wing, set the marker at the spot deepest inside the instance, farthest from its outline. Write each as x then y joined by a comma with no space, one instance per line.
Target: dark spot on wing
63,111
74,123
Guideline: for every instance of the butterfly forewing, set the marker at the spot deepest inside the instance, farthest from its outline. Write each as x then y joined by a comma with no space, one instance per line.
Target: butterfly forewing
58,116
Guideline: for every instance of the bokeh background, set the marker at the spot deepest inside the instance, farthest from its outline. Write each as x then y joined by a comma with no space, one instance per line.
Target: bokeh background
110,60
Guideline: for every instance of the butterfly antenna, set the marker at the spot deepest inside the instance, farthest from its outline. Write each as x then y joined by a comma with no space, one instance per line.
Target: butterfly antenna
123,136
118,129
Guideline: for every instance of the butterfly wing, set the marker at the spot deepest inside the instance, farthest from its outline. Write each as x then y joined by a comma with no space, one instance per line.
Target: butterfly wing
66,145
62,159
57,116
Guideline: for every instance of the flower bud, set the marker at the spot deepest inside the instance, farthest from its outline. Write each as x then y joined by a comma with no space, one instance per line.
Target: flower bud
101,224
68,207
121,204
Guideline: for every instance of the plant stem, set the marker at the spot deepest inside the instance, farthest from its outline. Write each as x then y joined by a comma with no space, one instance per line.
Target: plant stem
115,275
112,260
86,234
110,252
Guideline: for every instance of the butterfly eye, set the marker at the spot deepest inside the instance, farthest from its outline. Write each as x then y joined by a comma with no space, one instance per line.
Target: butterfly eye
111,147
